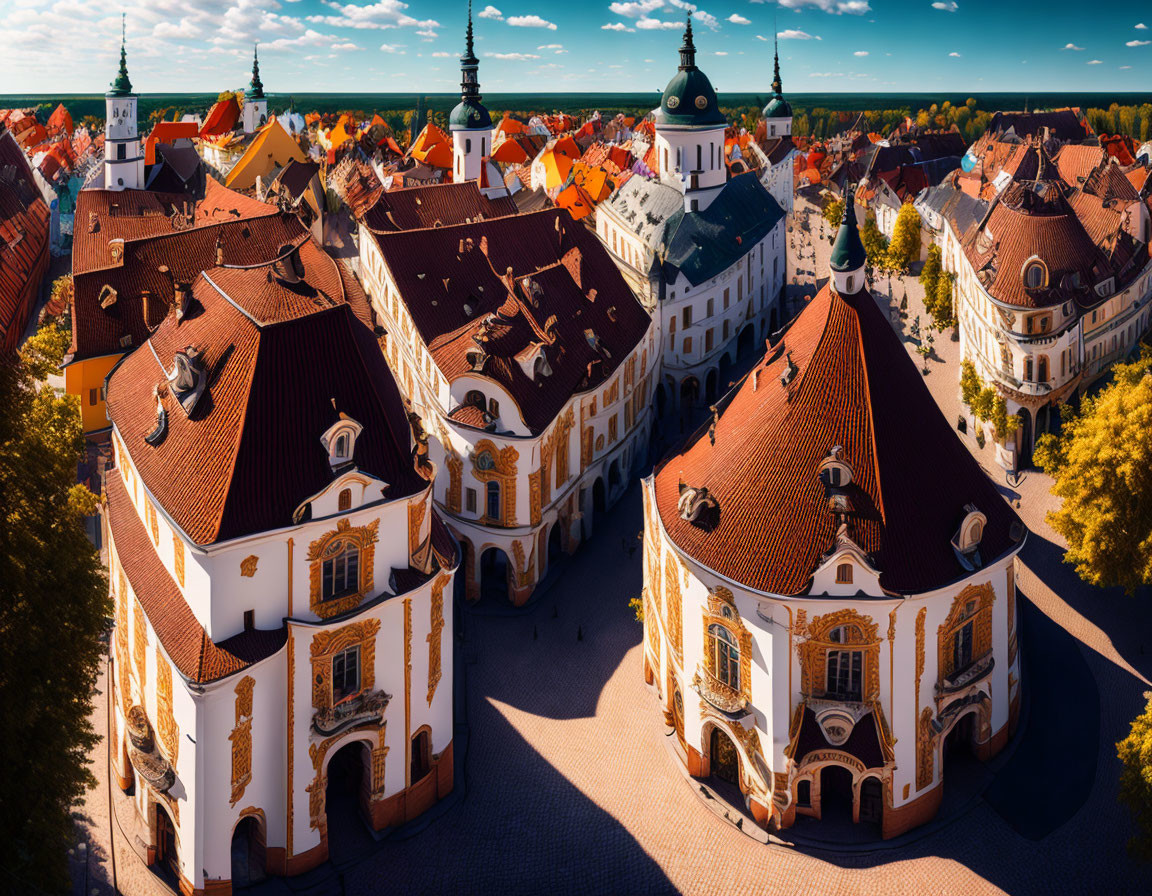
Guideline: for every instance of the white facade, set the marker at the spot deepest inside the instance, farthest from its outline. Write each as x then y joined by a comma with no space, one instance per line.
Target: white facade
258,742
691,159
470,147
123,156
903,677
254,115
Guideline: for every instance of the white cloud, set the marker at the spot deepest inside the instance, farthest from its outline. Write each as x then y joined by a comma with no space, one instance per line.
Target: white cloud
1138,43
346,46
957,55
184,30
737,19
440,54
1123,67
793,34
860,53
648,24
514,57
382,15
836,7
1094,62
616,26
491,12
550,47
390,48
530,22
699,16
950,6
1071,47
721,53
634,10
1141,27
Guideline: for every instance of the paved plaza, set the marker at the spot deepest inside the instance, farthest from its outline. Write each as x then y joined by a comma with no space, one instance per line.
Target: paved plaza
568,788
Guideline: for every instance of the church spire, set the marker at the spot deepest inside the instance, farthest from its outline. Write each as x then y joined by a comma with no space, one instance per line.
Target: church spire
688,49
776,85
469,67
255,89
122,86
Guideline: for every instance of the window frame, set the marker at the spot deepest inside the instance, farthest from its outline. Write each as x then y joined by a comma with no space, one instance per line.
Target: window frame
344,670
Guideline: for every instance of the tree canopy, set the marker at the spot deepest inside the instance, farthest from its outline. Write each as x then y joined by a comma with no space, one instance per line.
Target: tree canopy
905,246
53,613
1102,466
1135,753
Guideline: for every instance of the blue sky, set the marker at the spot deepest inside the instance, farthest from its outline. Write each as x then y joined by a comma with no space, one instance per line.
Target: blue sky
528,45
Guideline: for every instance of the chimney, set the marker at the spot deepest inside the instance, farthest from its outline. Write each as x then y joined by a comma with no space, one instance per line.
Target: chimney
183,295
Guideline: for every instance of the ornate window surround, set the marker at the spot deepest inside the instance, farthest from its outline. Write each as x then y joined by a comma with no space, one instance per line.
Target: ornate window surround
720,609
982,596
328,545
503,472
814,652
326,644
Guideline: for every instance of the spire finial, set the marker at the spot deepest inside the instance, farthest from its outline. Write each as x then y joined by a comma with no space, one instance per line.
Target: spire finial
688,48
776,85
122,86
468,51
255,89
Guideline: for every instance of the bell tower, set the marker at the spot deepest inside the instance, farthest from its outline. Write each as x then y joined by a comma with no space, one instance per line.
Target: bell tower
255,105
470,123
123,160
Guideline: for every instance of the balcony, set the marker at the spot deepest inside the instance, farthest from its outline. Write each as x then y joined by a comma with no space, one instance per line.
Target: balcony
363,709
975,671
724,697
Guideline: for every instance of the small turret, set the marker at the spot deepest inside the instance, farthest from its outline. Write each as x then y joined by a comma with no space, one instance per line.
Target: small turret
470,123
848,256
255,113
778,113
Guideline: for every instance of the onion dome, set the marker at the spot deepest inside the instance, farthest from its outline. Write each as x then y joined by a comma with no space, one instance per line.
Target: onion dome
470,113
848,250
255,89
689,99
121,86
777,107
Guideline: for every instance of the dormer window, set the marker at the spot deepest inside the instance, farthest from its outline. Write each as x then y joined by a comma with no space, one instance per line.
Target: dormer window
1035,273
344,502
844,574
475,399
966,541
697,506
340,441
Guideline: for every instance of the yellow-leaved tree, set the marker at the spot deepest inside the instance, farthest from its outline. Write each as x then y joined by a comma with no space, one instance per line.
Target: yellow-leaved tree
1102,464
1135,753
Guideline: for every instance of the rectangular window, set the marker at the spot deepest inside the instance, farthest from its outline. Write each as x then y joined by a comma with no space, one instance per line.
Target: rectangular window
844,674
726,291
493,493
688,345
687,317
612,428
708,340
93,395
470,500
725,331
711,307
249,620
962,648
342,573
672,324
345,674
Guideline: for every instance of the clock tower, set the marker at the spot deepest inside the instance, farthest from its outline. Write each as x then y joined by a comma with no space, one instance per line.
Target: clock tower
123,160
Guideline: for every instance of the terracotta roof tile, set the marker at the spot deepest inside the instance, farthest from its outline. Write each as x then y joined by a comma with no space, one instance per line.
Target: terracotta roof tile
856,388
433,205
24,219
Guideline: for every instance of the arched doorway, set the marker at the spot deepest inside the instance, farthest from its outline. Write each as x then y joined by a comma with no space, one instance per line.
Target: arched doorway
494,574
689,392
421,755
555,545
167,862
745,341
724,761
248,852
599,502
961,739
1025,459
836,794
872,801
613,477
346,800
710,386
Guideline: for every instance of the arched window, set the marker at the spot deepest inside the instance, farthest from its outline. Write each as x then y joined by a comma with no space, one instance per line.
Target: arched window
345,499
342,446
421,755
493,494
844,674
341,573
725,656
1034,276
851,285
804,794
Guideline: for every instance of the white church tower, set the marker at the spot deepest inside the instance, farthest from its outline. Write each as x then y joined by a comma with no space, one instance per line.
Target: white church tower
690,132
123,160
470,123
778,113
255,112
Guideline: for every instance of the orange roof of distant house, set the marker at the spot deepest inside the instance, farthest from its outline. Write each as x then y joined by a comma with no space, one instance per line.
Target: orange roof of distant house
60,122
222,118
432,147
167,132
1120,147
510,153
576,201
510,126
31,135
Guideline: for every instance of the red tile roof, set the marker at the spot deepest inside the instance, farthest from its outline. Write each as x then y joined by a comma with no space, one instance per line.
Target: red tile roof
857,388
221,119
555,265
284,361
183,638
24,219
1076,161
433,205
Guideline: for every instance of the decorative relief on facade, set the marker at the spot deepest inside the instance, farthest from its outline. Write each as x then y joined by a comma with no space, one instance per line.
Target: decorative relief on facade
925,746
1011,591
971,611
563,435
534,497
329,546
178,558
857,632
154,521
416,511
248,566
241,738
165,718
503,471
720,618
140,645
455,480
123,675
525,566
673,605
325,644
437,626
585,448
800,624
922,746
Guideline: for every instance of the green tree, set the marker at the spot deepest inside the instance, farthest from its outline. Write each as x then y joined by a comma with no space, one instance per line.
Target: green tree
969,382
833,212
941,310
905,246
875,244
1135,753
53,613
1102,466
930,273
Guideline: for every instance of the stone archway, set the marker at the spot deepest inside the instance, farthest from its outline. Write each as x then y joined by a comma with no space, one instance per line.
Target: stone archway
347,795
495,574
248,851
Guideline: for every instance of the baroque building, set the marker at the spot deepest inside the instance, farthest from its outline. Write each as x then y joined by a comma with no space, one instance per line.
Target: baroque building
705,254
531,365
829,601
282,652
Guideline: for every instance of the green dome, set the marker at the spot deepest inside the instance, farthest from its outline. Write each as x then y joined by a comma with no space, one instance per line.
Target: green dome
848,249
468,116
689,100
777,107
